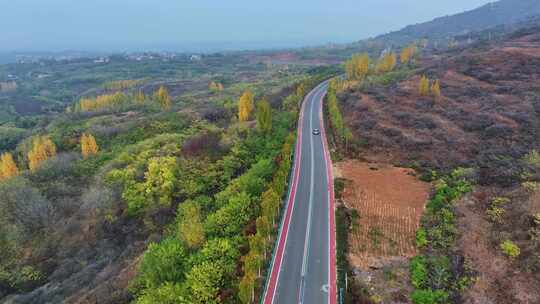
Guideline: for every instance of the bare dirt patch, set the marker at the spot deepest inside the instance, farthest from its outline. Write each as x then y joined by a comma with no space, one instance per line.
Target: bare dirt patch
390,202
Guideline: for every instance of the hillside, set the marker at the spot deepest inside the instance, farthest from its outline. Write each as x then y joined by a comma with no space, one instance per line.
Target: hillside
141,181
478,144
503,12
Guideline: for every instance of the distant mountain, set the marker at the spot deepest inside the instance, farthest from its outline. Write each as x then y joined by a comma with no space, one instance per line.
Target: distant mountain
503,12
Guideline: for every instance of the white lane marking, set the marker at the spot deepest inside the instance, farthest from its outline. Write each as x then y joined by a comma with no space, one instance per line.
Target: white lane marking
297,162
324,288
310,211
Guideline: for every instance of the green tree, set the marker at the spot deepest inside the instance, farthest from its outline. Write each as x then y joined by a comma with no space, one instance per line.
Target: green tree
190,227
246,288
163,262
222,251
229,220
264,116
160,179
168,293
204,283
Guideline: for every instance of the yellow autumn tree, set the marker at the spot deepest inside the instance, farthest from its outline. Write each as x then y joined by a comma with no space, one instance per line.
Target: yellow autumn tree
387,63
140,96
8,167
101,102
423,86
163,98
407,54
436,89
89,146
245,106
357,67
42,149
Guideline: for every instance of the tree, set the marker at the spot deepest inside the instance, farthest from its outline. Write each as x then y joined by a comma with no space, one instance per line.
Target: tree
423,87
204,282
270,204
257,244
163,98
246,288
160,179
264,116
386,63
245,106
190,227
223,251
89,146
168,293
100,102
42,149
264,227
407,53
8,167
436,89
230,219
140,96
163,262
357,67
253,262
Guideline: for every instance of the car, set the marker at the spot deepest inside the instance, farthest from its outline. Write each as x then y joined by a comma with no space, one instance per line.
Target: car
316,132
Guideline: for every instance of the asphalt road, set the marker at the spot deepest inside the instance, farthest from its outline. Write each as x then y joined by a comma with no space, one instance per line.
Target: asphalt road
303,268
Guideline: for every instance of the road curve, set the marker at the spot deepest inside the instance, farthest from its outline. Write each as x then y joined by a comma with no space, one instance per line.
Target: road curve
303,269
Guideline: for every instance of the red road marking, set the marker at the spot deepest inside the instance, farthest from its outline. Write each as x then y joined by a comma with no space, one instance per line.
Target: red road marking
278,259
276,265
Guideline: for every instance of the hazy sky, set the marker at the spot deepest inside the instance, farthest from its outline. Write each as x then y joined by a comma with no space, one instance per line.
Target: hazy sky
114,25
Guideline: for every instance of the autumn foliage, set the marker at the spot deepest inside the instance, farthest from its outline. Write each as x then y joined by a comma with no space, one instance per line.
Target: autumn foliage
43,148
101,102
436,89
423,86
89,146
163,98
357,67
407,54
245,106
8,168
387,63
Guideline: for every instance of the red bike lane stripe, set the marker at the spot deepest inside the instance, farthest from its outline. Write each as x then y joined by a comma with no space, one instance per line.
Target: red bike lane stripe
276,266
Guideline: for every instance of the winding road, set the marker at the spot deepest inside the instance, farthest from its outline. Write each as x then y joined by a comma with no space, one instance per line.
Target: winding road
303,269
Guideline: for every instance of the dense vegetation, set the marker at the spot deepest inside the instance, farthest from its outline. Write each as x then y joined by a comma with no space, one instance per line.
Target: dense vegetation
439,274
198,184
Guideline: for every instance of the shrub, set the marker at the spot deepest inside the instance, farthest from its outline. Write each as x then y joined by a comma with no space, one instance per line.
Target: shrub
429,297
163,262
532,159
510,249
495,214
530,186
419,272
421,238
168,293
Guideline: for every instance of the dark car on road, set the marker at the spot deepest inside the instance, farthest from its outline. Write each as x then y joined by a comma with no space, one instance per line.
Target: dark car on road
316,132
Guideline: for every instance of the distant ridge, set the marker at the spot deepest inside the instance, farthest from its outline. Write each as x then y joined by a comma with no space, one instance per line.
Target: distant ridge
503,12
